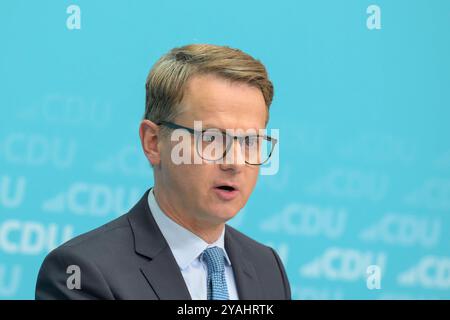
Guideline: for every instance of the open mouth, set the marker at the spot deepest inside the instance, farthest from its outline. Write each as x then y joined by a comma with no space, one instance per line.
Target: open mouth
225,192
226,188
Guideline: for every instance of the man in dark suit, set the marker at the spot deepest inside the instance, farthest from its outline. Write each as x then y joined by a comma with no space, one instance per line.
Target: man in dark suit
203,134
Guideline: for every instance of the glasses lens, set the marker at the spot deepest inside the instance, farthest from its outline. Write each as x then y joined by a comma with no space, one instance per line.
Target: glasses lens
211,144
257,149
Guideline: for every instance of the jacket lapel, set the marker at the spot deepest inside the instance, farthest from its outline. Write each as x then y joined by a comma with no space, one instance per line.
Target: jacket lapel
164,276
247,282
161,270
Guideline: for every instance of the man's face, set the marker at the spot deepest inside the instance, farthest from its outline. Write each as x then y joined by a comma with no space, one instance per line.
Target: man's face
192,188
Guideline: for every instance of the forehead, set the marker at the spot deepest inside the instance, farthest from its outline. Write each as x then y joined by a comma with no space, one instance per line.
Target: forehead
219,102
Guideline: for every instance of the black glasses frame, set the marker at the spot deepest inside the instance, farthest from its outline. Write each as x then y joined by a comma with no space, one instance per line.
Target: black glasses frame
172,125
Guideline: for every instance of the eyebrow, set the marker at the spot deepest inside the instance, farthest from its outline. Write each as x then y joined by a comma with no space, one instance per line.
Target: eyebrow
209,126
236,135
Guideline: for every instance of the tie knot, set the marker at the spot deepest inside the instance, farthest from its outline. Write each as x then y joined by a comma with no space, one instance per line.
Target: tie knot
214,258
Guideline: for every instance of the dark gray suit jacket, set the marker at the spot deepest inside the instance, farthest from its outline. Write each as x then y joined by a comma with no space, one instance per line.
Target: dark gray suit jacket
128,258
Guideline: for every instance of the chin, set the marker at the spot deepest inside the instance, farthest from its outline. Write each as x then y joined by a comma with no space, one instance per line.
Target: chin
223,214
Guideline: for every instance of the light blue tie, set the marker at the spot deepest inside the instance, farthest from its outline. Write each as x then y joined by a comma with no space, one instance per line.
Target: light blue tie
217,284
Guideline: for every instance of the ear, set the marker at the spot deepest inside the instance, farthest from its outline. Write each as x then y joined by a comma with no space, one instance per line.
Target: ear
149,134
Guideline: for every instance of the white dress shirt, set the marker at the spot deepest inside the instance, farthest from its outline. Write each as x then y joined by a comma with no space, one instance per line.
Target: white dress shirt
187,248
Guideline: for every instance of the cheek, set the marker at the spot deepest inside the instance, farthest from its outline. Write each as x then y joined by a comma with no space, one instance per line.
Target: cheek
250,181
193,178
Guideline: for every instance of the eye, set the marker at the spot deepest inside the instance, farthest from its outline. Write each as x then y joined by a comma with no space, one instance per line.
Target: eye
250,141
212,135
208,138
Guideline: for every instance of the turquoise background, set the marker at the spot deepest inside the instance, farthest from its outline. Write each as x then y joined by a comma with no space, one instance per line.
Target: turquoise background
363,117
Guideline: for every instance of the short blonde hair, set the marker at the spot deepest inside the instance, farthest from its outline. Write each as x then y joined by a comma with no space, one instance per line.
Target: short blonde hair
168,77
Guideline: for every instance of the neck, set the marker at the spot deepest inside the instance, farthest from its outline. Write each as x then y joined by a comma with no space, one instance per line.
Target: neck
206,230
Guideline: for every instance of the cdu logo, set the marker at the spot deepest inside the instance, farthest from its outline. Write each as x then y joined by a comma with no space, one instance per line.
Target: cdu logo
93,199
308,220
39,150
12,191
342,264
405,230
32,238
431,272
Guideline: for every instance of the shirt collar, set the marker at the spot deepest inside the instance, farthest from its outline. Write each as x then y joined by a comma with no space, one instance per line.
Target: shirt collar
185,245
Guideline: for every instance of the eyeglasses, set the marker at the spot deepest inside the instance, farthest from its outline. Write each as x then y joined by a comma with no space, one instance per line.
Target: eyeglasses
212,144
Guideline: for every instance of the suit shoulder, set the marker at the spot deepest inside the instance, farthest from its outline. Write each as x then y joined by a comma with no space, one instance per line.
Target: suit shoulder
109,233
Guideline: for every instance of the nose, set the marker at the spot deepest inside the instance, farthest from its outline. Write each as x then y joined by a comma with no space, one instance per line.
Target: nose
234,157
